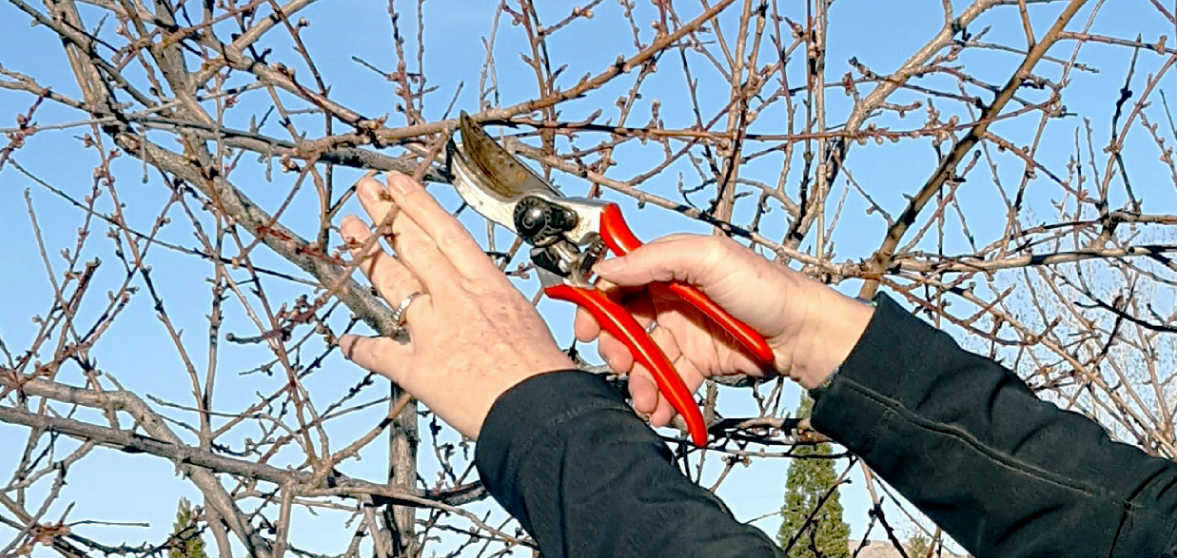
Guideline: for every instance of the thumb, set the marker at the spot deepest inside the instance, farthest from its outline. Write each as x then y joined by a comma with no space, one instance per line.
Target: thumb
382,355
674,258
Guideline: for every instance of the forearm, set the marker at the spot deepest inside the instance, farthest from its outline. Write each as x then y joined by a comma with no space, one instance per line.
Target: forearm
1001,471
567,457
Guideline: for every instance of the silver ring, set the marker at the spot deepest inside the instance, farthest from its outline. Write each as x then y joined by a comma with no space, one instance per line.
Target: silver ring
398,314
650,328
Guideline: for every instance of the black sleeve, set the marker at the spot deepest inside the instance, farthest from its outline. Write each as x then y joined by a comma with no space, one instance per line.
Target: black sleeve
565,455
1000,470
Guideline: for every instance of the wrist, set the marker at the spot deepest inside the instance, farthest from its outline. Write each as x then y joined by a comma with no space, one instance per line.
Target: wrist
831,333
526,368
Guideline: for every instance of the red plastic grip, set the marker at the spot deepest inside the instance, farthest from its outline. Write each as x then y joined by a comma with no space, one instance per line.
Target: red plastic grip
621,240
615,231
620,324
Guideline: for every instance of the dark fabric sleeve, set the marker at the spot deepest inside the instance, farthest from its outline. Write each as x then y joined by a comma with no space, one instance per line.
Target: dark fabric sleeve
565,455
1003,472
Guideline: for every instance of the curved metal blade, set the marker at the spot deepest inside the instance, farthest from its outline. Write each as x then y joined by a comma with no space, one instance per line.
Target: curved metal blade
470,182
504,174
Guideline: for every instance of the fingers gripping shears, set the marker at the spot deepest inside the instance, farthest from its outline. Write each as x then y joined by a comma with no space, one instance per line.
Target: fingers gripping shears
567,236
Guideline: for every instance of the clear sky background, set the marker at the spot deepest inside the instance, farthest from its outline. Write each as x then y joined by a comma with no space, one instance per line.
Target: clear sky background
114,486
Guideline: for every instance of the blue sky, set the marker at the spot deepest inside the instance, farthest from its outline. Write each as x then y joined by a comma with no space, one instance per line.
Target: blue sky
114,486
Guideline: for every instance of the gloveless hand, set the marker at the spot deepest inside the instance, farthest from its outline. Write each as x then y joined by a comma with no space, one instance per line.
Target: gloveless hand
810,327
473,335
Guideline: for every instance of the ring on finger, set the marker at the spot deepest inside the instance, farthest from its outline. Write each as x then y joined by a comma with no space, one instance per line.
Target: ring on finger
398,314
650,328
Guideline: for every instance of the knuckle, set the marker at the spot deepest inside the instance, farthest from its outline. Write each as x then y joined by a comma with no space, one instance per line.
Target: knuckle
365,353
418,309
712,246
419,197
414,195
399,226
705,255
480,288
675,237
453,237
715,249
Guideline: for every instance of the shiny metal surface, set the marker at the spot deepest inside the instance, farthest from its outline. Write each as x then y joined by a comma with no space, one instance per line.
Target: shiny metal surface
491,181
505,175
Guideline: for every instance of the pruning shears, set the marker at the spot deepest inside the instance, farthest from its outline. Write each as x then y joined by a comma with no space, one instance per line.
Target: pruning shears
567,236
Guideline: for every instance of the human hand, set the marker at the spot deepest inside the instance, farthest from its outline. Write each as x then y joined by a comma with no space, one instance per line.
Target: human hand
473,335
810,327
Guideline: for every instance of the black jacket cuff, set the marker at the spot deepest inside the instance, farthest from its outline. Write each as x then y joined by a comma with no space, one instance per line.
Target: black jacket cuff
567,457
892,343
1003,472
525,416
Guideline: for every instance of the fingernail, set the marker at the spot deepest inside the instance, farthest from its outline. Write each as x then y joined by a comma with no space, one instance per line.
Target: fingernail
396,181
346,343
343,232
367,175
400,183
364,188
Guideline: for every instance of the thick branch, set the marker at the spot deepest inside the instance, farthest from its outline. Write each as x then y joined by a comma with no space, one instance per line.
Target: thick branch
947,169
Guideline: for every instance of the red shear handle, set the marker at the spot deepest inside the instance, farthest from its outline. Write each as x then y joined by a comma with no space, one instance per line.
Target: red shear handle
620,324
621,241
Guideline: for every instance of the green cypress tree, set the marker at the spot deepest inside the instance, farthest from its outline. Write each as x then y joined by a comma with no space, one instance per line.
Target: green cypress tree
185,541
918,546
807,484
